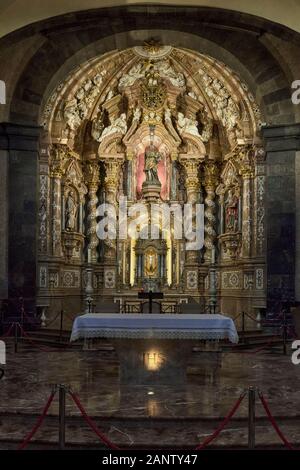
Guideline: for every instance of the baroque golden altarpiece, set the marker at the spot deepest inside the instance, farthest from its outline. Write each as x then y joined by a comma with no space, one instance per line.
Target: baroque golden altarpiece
100,125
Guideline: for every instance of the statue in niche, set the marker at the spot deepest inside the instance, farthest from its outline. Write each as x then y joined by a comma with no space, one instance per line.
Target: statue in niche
71,211
152,158
232,211
151,262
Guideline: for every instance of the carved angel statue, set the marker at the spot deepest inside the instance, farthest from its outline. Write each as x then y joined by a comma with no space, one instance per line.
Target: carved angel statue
71,210
109,95
166,70
169,124
152,158
137,113
134,74
97,127
71,115
187,126
193,95
119,126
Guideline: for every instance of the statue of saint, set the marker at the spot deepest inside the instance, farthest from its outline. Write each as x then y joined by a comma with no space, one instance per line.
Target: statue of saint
152,158
231,206
71,212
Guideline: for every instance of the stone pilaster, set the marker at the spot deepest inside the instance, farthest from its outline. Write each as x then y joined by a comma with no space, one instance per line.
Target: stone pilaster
247,175
20,144
56,175
259,212
282,213
44,209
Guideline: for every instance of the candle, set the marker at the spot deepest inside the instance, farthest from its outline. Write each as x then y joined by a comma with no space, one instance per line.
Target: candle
89,255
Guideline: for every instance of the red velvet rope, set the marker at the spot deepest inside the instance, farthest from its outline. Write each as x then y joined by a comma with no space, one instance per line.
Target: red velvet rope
274,424
68,316
257,350
50,322
235,318
91,423
30,320
41,348
38,423
220,428
5,335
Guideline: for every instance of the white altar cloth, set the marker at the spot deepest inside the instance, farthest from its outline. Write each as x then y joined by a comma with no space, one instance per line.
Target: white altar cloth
160,326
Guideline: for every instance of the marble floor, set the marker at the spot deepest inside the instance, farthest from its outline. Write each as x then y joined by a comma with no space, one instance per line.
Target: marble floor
138,415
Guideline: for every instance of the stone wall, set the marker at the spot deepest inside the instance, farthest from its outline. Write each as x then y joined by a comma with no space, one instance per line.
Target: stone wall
281,145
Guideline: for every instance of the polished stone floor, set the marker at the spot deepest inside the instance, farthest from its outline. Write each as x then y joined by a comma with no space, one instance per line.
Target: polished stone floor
173,415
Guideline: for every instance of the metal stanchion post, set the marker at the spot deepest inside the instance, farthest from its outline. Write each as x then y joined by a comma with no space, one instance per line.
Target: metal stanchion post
284,332
251,417
16,337
243,326
62,416
61,324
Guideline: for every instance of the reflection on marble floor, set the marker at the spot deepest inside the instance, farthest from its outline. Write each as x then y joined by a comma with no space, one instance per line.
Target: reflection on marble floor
212,386
214,383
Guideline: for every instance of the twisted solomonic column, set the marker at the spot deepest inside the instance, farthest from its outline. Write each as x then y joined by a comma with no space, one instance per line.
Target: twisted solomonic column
210,183
112,179
92,181
192,185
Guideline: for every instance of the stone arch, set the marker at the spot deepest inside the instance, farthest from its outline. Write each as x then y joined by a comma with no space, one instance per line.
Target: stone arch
61,44
53,54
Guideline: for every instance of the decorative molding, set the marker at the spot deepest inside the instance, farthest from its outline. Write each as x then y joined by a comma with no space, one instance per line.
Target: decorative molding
70,278
231,280
192,280
259,278
43,277
109,279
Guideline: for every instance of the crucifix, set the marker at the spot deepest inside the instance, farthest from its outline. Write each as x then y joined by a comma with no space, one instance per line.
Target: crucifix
150,296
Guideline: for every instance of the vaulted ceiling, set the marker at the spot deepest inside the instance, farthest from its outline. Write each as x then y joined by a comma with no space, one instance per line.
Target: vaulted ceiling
16,14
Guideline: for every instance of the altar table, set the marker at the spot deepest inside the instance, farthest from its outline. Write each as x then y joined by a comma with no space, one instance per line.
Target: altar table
153,348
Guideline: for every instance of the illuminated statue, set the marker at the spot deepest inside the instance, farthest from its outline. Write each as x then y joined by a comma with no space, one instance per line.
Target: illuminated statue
152,158
151,262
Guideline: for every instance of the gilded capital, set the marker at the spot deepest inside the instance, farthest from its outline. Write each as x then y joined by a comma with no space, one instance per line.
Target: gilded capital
246,171
112,177
91,173
191,169
211,174
56,169
59,154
